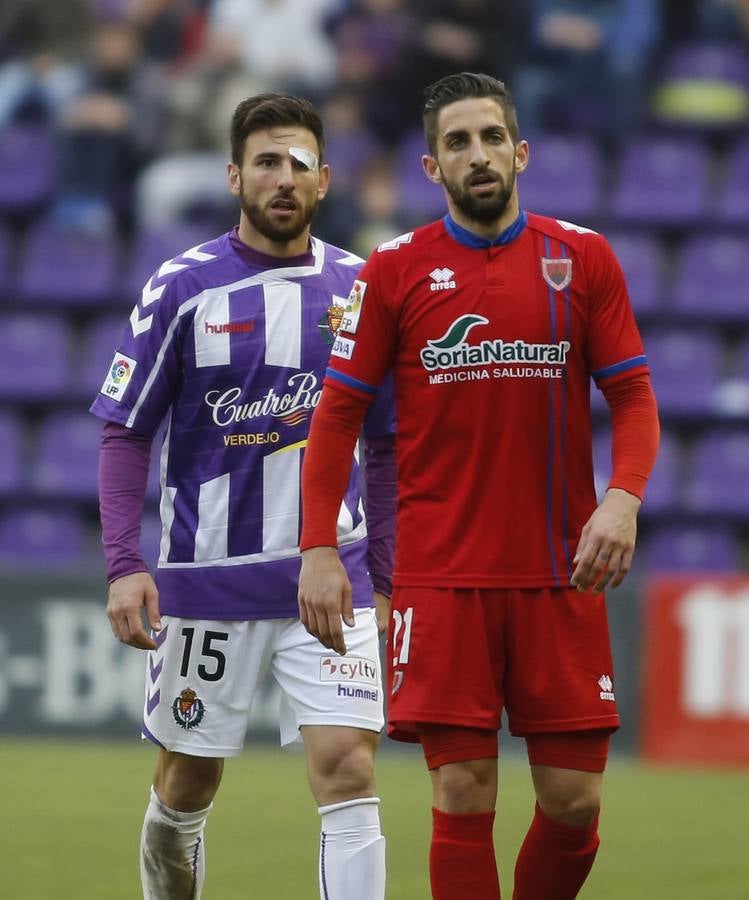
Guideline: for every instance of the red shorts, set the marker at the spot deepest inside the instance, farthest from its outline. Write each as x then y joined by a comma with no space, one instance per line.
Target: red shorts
461,656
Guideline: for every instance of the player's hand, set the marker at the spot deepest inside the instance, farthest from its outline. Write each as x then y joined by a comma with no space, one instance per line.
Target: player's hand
325,597
607,542
128,596
382,611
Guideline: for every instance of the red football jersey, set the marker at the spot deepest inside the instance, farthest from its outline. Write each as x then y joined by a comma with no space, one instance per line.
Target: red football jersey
493,347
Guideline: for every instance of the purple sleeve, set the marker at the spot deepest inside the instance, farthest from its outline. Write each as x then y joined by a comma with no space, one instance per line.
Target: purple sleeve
380,485
380,418
123,474
381,491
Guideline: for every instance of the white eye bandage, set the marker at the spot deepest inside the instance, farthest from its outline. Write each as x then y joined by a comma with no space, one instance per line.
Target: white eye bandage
305,157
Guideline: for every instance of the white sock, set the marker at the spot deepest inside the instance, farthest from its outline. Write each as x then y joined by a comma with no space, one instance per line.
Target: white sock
352,851
172,852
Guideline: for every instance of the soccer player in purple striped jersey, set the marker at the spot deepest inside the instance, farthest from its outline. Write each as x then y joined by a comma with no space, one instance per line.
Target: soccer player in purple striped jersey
228,346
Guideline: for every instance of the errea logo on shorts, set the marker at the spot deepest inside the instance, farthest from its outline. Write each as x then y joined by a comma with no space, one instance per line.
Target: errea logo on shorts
607,688
442,279
362,670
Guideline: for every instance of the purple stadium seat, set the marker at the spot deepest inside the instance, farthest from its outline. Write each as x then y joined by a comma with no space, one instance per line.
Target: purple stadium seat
685,368
99,344
733,200
724,62
661,494
41,539
704,86
671,548
34,361
11,454
151,248
26,168
563,179
67,457
732,396
661,182
418,198
720,475
640,257
711,281
68,268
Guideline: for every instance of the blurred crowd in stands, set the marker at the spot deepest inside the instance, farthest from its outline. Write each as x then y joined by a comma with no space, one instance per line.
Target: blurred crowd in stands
113,143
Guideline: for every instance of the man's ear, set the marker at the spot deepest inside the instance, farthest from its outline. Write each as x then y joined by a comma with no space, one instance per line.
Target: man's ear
431,169
234,180
522,156
322,188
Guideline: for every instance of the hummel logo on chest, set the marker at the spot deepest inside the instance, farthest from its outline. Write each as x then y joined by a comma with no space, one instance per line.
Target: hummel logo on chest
442,279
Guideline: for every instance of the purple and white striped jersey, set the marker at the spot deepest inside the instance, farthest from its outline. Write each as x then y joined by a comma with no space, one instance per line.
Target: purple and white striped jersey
229,346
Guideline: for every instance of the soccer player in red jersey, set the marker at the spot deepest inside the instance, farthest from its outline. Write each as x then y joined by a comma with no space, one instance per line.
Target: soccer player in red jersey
493,321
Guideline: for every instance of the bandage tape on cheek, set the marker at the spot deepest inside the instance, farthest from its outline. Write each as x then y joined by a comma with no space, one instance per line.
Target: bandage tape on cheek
305,157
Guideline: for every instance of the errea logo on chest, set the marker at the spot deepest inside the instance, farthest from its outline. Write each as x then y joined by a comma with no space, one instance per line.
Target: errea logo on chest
442,279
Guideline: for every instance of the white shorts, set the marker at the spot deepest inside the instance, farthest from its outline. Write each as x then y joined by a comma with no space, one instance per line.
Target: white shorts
202,679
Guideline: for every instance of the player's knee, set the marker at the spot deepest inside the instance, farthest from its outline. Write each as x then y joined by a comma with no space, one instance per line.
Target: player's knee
577,810
187,783
343,773
466,787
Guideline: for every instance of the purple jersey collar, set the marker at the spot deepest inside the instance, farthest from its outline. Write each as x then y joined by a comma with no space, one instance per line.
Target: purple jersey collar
469,239
264,260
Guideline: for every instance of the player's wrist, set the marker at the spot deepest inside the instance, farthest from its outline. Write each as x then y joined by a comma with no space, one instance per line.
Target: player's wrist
623,495
319,550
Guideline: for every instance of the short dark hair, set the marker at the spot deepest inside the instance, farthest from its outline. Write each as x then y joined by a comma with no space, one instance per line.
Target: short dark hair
268,111
460,86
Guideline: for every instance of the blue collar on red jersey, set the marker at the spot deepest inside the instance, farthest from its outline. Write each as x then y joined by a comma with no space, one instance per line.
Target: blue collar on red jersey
464,236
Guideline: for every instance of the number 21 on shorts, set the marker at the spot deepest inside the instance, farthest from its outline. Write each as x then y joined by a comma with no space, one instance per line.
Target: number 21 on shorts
402,633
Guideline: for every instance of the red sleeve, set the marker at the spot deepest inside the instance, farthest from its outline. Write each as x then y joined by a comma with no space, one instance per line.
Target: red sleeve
614,344
333,433
635,432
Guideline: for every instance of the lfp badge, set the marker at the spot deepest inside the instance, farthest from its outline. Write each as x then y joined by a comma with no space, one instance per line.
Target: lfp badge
352,312
120,370
119,375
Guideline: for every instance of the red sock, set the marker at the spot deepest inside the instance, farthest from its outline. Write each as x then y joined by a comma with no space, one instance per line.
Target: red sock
554,860
461,858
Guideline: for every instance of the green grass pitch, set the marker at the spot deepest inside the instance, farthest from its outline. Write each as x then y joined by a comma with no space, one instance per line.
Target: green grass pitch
71,817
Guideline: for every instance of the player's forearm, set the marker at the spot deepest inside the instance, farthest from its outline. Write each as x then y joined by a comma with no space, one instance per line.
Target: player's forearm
381,493
635,433
333,433
123,475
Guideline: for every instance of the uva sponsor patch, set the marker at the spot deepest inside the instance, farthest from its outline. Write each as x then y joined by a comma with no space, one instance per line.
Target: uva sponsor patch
343,347
118,377
354,303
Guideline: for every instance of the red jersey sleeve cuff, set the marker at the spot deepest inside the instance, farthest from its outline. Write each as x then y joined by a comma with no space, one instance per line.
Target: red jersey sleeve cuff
635,432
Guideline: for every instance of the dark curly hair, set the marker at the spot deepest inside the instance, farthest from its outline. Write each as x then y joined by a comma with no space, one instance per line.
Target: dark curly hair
268,111
460,86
